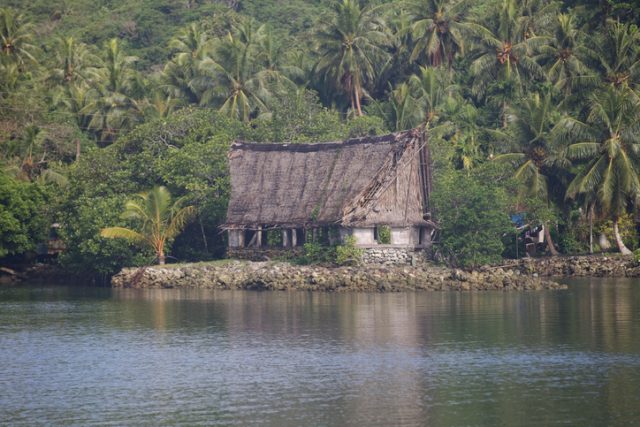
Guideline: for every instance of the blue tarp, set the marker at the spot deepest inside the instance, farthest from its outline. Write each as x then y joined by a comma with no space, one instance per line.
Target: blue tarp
518,219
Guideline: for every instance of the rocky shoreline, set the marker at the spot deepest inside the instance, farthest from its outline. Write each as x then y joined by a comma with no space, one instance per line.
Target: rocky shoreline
611,265
523,274
284,276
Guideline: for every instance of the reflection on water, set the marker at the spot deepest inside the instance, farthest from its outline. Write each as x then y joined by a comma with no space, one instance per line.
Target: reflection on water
84,356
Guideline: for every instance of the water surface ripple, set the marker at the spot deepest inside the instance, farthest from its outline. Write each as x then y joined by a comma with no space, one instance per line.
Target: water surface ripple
86,356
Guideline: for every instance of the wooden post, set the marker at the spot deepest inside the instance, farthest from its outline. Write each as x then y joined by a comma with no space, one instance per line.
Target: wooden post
241,234
294,237
285,238
259,237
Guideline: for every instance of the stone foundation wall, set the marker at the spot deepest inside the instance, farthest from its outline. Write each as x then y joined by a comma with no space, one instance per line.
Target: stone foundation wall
264,254
382,254
390,255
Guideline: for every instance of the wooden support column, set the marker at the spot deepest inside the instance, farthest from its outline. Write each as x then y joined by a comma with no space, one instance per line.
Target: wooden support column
285,238
241,234
259,237
294,237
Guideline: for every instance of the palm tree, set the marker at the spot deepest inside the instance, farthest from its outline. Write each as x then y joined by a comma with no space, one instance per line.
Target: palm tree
618,54
505,52
116,73
468,135
113,108
74,62
9,78
438,28
564,58
159,220
536,16
273,60
539,155
401,111
192,45
609,141
178,77
431,89
15,39
350,50
232,77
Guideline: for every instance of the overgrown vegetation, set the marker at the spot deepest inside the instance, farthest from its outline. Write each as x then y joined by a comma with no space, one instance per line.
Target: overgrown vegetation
102,100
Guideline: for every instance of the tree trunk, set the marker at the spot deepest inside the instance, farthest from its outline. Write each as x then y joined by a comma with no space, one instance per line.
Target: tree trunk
77,149
591,230
623,249
204,236
604,242
353,102
504,114
357,93
550,245
161,257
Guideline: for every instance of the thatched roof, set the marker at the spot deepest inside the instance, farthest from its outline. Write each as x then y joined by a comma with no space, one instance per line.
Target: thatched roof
364,181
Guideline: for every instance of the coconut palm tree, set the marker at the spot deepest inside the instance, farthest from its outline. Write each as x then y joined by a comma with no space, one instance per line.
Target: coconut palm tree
609,142
113,108
466,140
15,39
618,54
233,78
116,73
9,78
539,155
565,57
401,111
73,62
159,220
192,45
177,79
504,54
536,16
431,89
350,49
438,28
272,58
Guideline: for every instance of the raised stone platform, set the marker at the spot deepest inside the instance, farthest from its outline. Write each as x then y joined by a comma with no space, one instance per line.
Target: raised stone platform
379,254
284,276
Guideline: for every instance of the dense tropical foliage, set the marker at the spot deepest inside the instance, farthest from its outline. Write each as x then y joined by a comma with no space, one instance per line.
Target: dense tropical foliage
102,100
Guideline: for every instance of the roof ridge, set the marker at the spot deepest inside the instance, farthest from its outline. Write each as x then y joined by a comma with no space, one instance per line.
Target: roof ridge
319,146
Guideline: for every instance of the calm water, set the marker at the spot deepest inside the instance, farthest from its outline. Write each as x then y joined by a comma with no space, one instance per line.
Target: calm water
82,356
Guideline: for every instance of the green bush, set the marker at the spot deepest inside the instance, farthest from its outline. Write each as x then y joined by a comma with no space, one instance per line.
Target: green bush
472,215
22,222
316,253
348,253
384,234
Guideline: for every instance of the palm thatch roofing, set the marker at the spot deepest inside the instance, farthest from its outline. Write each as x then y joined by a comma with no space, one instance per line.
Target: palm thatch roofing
357,182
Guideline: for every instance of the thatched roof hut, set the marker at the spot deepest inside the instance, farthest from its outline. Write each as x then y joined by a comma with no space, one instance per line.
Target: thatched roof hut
360,182
357,182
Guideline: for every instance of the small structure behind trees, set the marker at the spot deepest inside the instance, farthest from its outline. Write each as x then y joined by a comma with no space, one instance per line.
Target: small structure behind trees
375,189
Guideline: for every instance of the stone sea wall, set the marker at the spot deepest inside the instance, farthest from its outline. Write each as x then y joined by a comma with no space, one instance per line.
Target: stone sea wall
381,254
284,276
393,256
577,266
